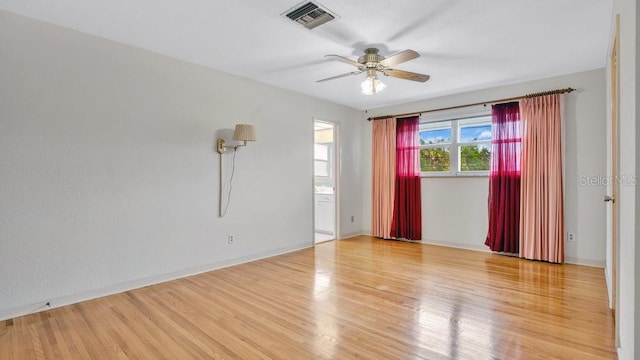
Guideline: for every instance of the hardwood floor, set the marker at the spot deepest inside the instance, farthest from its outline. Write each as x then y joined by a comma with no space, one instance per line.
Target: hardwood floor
358,298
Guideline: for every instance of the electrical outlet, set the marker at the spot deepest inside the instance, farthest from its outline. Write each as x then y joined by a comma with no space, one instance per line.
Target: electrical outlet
352,218
571,237
231,239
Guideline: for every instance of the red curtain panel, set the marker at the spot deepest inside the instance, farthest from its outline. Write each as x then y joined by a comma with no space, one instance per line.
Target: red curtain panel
407,213
504,179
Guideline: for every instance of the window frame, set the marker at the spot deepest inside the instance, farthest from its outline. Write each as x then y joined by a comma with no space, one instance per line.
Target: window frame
455,146
329,153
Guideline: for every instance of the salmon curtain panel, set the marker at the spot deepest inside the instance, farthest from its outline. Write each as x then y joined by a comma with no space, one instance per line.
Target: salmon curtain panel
504,179
395,196
383,149
542,206
407,213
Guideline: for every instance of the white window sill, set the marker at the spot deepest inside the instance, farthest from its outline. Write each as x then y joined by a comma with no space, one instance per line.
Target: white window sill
457,175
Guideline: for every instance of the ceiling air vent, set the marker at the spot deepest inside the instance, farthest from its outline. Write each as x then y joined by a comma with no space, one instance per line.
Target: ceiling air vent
309,14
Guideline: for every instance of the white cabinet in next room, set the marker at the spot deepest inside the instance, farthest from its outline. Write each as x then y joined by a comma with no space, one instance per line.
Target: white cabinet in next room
324,213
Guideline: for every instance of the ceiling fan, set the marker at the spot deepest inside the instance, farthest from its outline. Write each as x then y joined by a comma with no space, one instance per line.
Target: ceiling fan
372,63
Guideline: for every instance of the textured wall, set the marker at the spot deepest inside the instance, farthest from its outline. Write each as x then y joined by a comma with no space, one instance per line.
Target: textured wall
109,174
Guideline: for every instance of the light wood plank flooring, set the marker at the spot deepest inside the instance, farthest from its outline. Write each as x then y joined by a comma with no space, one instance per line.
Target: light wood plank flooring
357,298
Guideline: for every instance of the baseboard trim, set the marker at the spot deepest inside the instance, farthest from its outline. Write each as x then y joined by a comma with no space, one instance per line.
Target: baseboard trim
351,234
585,262
139,283
480,248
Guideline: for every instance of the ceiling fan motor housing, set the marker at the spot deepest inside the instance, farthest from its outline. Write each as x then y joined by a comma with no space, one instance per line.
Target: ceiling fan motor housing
371,59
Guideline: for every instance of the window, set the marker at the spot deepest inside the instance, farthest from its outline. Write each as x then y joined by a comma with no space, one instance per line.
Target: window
456,147
435,146
321,160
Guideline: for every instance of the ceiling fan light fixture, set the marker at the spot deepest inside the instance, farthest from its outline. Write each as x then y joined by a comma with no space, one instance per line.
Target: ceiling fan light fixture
372,63
372,85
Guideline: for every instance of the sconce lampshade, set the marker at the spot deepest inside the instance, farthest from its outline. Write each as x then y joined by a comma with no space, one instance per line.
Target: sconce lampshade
244,132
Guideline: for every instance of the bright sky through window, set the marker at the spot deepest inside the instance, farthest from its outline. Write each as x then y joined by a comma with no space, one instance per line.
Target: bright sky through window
475,133
439,136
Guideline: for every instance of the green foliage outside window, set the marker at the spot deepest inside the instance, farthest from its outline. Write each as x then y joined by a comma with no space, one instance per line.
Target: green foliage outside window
435,159
472,158
475,158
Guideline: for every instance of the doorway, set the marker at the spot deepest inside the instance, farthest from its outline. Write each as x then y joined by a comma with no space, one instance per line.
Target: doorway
324,180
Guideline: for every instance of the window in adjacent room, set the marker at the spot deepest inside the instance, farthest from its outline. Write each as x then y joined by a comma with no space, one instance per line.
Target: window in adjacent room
321,160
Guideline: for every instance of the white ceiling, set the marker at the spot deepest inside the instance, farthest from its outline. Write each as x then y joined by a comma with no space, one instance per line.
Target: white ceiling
465,44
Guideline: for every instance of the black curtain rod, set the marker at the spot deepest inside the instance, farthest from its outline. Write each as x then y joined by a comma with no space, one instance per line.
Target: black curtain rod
550,92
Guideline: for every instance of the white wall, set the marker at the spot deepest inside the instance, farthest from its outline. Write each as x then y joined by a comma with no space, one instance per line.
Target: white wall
635,262
447,199
455,217
109,174
350,193
629,279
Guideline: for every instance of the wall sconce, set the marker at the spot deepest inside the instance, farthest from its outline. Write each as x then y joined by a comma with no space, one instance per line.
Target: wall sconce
244,133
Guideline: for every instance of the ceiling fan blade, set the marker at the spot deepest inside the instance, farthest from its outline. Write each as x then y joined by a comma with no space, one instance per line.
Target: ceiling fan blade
340,76
407,75
344,60
399,58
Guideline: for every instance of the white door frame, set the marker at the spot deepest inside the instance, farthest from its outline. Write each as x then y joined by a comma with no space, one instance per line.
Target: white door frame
336,179
613,209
